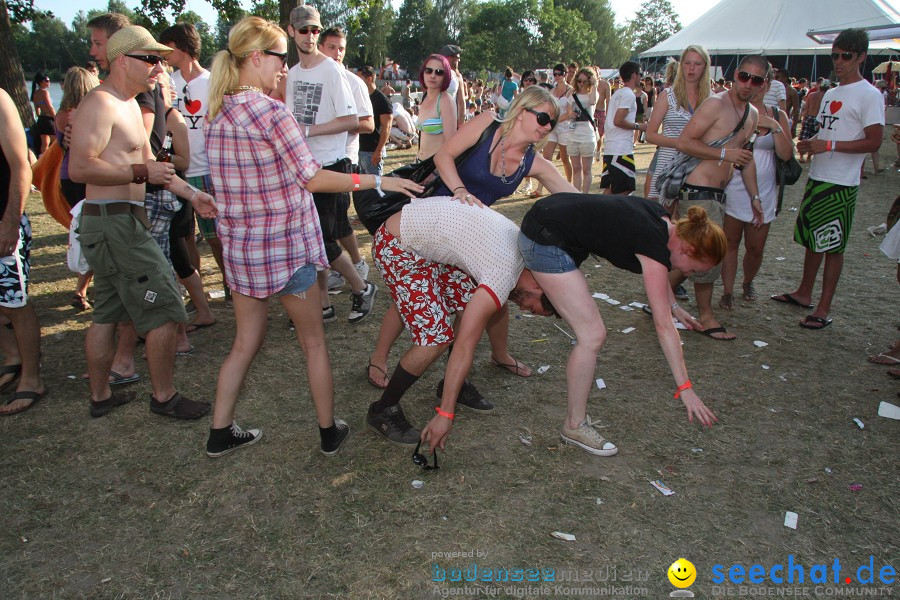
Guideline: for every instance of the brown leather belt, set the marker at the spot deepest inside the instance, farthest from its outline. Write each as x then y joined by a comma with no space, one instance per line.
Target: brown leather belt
116,208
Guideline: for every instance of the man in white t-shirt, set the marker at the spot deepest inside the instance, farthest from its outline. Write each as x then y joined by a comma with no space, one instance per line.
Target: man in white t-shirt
438,257
617,175
851,123
318,95
776,96
333,44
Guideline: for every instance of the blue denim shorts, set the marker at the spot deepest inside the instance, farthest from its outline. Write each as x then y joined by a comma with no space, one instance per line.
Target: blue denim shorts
544,259
302,279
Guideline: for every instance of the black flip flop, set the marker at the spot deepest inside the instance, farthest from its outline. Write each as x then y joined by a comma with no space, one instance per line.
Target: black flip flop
822,323
709,333
10,386
35,397
788,299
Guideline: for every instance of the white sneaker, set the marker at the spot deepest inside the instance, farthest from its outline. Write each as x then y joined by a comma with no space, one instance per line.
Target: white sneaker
587,438
361,304
336,281
362,268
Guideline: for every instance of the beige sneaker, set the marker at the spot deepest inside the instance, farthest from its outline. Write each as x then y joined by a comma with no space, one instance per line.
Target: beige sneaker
587,438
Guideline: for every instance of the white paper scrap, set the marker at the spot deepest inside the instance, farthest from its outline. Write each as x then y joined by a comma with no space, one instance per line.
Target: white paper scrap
527,316
828,470
760,344
216,294
543,369
766,367
696,450
662,487
599,501
680,325
600,295
418,484
859,423
637,304
790,519
628,330
888,410
70,376
626,307
613,302
566,537
600,383
780,258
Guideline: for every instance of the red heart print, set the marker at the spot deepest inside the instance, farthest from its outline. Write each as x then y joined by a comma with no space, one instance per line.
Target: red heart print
194,105
835,106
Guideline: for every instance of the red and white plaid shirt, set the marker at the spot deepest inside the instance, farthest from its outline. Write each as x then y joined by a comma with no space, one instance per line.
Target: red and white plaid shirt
260,164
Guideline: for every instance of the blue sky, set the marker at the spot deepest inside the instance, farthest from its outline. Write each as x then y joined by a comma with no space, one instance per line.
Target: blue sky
688,10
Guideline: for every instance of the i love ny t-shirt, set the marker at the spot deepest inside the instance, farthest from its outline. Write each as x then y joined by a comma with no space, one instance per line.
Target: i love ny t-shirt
846,111
190,100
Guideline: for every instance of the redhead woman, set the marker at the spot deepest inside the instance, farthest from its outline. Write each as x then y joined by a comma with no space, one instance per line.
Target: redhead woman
265,175
437,113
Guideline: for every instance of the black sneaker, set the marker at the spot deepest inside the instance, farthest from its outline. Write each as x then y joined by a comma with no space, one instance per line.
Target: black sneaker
362,303
391,424
228,439
99,409
681,293
469,397
328,315
343,432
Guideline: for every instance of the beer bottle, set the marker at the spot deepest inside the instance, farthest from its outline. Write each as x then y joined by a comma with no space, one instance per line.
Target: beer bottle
165,153
748,146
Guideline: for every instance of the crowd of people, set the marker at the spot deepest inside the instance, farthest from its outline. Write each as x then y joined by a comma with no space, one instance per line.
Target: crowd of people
270,158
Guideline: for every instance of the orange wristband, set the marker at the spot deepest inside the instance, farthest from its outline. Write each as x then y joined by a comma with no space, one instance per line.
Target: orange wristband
355,178
443,413
684,386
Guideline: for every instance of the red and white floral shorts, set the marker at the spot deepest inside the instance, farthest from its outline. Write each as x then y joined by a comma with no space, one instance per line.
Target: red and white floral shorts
426,293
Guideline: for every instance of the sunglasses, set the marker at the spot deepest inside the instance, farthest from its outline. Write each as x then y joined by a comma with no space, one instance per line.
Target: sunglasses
843,55
150,59
186,94
543,119
308,30
438,72
420,460
282,55
755,80
531,79
558,73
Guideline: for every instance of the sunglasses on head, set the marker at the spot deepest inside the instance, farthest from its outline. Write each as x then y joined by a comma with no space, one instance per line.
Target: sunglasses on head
543,119
842,55
420,460
281,55
438,72
755,80
150,59
306,30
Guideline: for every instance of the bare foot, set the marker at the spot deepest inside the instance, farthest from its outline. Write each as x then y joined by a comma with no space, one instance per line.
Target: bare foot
727,301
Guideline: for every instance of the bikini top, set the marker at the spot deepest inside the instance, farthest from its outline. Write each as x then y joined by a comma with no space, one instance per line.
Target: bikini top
435,125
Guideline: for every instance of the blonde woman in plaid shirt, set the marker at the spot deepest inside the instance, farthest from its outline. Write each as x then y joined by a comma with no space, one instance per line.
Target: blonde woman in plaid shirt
264,176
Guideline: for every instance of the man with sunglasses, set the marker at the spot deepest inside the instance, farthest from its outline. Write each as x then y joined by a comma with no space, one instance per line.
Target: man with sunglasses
111,154
716,119
851,123
320,98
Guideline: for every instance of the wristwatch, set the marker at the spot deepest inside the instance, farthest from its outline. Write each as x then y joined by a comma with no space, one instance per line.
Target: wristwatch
756,197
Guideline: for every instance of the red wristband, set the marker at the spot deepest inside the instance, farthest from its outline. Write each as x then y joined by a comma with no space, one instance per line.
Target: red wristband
355,178
684,386
443,413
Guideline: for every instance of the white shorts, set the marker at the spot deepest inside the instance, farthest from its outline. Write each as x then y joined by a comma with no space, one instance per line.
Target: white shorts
587,148
560,135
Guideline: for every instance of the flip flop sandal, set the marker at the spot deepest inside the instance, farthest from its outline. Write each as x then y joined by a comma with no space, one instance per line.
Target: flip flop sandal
822,323
750,292
883,359
788,299
513,368
727,301
185,353
372,381
35,397
119,379
709,333
10,386
179,407
192,327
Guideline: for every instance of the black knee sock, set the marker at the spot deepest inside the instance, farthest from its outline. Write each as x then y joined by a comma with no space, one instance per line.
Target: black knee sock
400,381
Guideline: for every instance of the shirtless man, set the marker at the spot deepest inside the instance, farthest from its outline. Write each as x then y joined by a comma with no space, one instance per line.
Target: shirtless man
809,125
717,117
603,94
458,88
110,152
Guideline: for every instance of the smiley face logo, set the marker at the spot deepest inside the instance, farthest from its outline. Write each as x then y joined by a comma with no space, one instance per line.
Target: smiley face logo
682,573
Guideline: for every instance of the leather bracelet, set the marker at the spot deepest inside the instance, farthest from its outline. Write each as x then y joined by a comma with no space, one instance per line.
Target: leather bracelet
459,187
139,173
444,413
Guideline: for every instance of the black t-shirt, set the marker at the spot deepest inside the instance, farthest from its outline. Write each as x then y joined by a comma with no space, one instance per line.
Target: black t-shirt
153,100
616,228
5,179
380,106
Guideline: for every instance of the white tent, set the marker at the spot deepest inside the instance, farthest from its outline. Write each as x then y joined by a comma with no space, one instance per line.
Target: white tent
778,27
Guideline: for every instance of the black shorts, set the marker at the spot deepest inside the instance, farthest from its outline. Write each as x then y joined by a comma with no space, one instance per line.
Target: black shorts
618,173
332,209
44,126
183,221
73,192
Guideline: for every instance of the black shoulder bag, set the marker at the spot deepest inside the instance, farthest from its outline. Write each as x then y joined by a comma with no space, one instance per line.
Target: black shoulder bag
787,172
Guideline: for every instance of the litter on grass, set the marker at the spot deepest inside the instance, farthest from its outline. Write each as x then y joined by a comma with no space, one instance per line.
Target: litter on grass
637,304
613,302
600,383
827,470
418,484
71,376
543,369
628,330
696,450
859,423
216,294
599,501
626,307
525,436
855,487
567,334
662,487
760,344
600,295
888,410
790,519
540,340
766,367
566,537
780,258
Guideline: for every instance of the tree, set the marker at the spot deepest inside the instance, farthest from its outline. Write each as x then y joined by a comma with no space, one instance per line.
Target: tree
654,22
12,78
610,48
500,33
408,45
368,40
